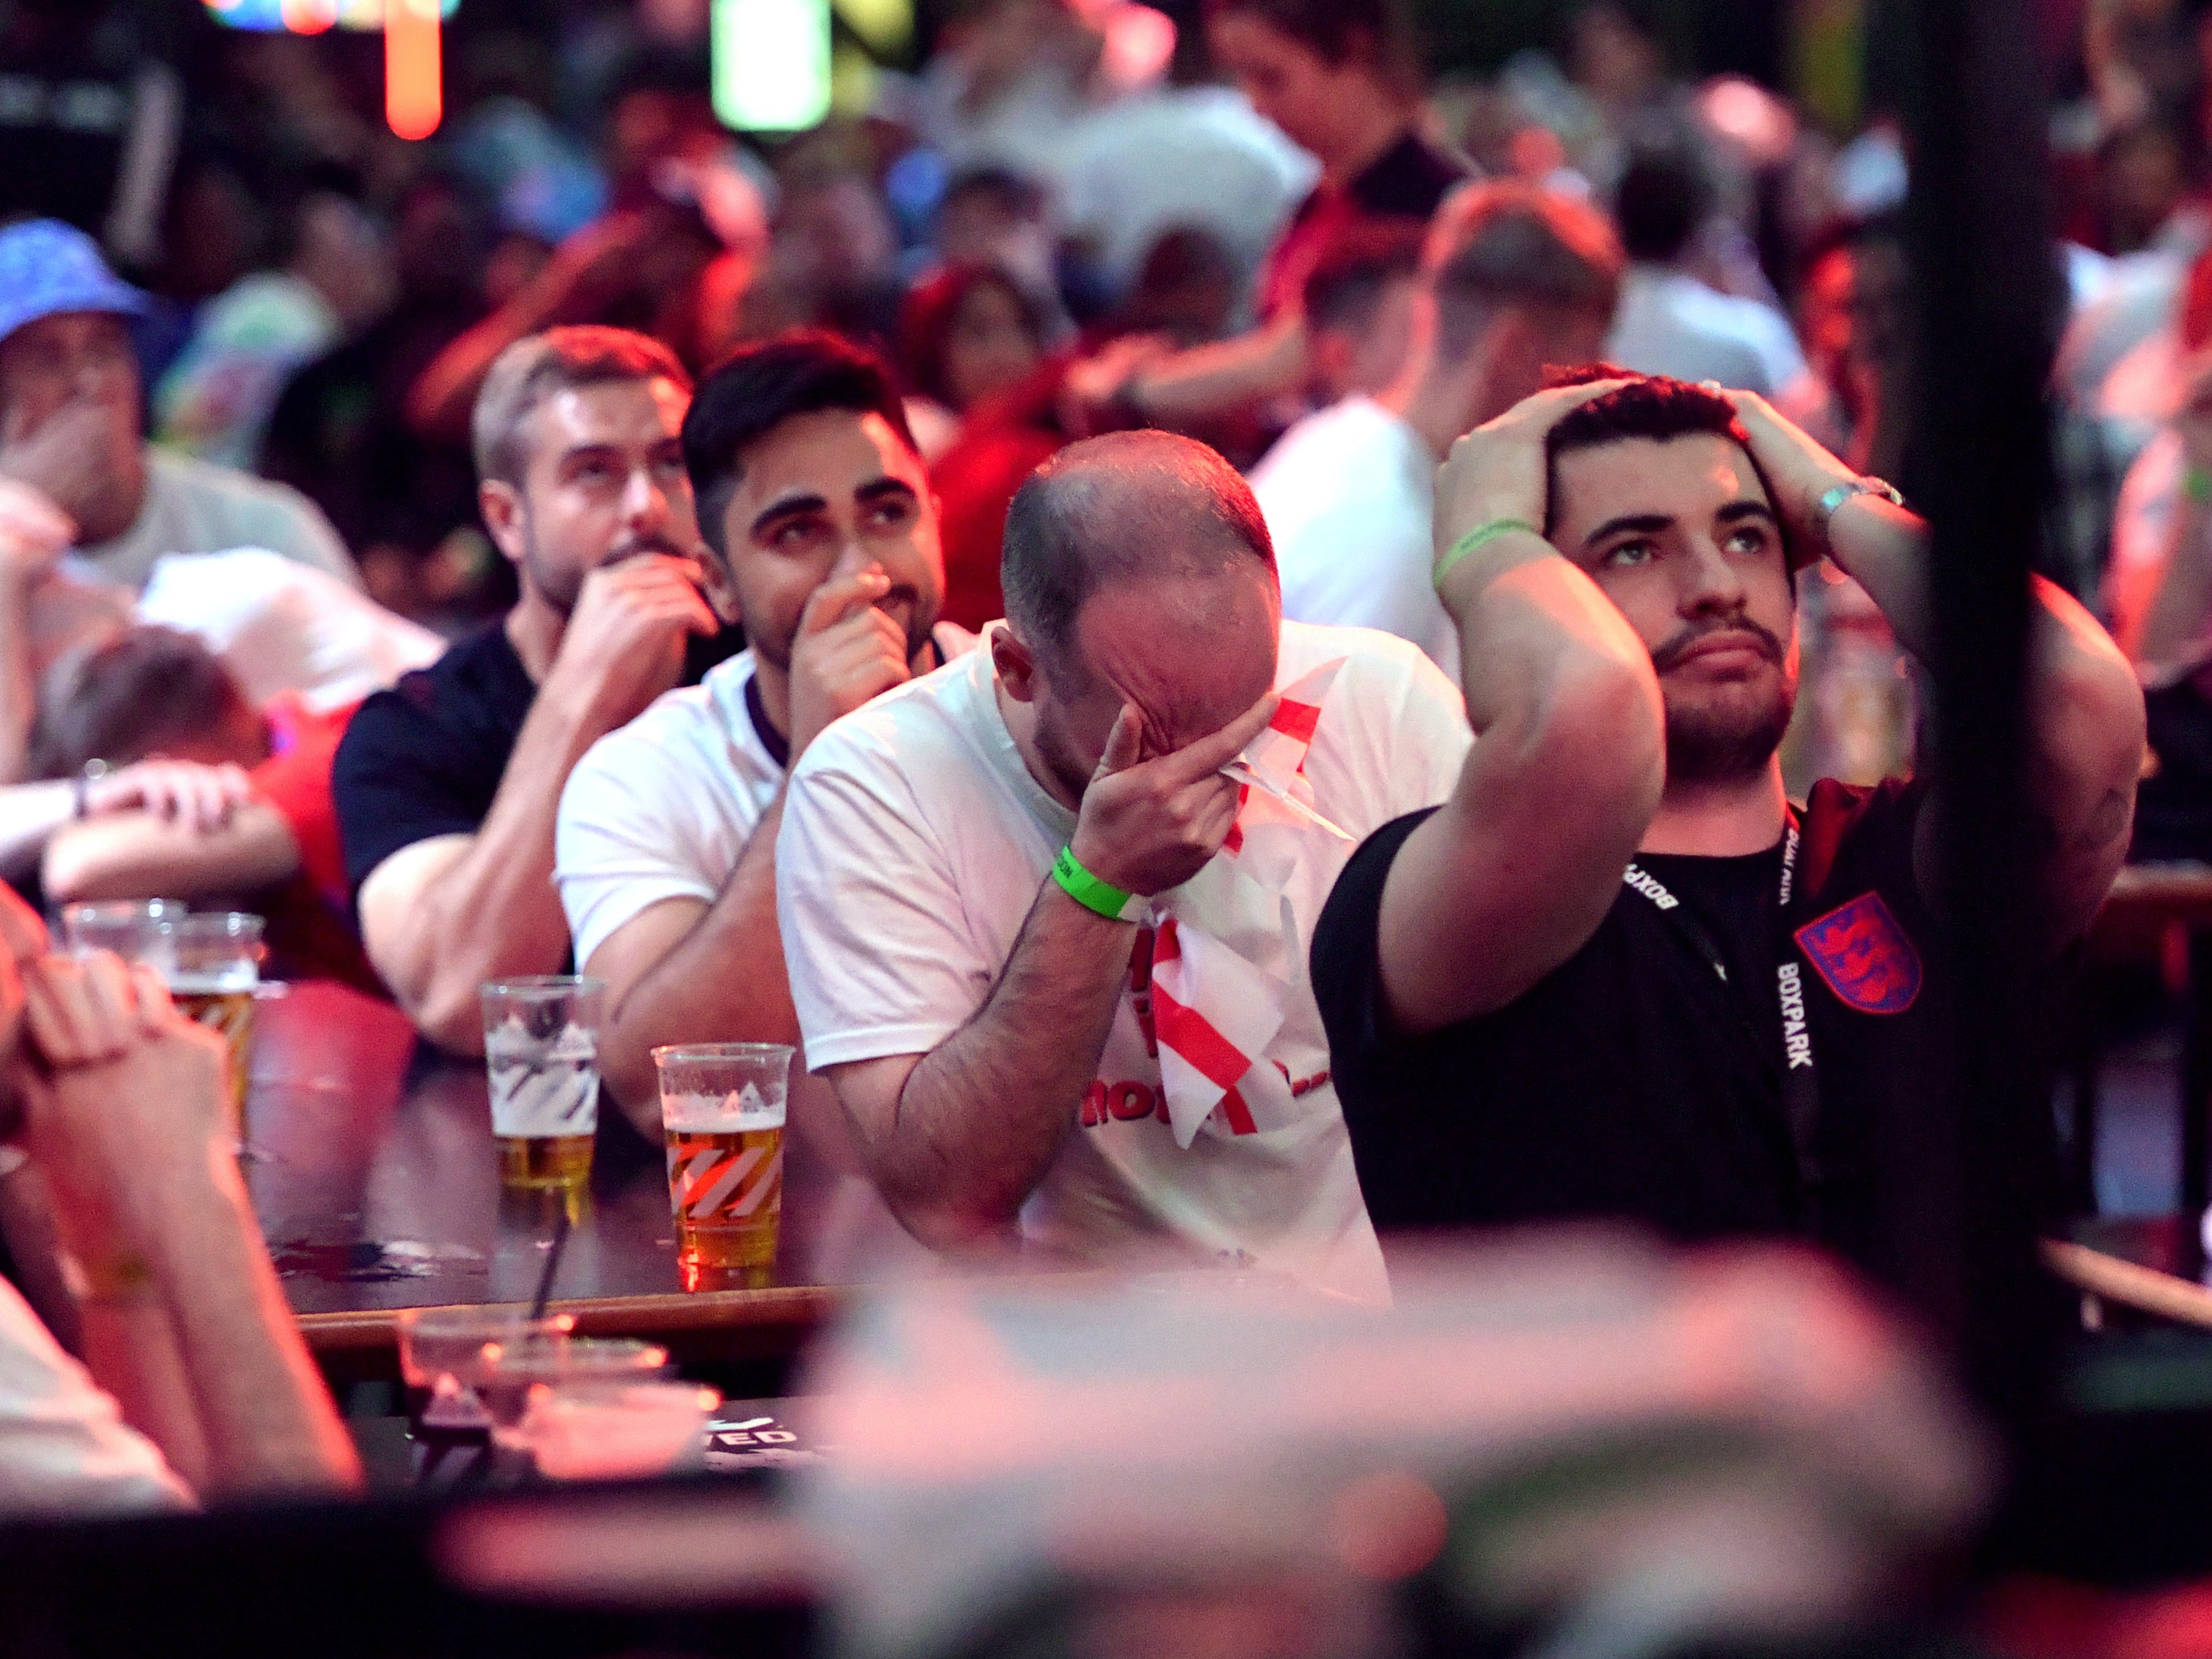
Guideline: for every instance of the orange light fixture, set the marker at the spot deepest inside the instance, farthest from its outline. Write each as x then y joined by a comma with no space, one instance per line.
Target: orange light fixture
414,93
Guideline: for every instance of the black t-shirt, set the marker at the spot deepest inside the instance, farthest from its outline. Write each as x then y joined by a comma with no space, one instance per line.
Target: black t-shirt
426,758
1406,181
1632,1081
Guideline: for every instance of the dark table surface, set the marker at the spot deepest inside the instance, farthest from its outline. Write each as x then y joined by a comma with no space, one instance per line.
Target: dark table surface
373,1169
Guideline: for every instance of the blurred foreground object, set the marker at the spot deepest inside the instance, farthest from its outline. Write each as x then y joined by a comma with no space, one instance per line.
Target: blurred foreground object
1570,1443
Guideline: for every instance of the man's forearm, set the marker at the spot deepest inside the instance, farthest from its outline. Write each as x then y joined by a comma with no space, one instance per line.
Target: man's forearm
268,1420
1884,548
18,690
1206,380
723,982
984,1115
137,854
494,913
2174,628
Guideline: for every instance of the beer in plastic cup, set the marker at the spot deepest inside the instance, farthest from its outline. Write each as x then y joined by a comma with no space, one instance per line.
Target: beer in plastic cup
542,1052
211,963
722,1112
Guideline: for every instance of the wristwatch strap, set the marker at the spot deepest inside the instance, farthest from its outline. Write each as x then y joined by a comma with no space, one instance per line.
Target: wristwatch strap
1868,485
1092,894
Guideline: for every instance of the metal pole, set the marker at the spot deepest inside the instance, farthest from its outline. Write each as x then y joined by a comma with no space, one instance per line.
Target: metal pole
1971,1175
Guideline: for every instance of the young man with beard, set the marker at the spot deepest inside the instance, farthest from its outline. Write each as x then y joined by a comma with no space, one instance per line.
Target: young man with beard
446,785
1616,975
815,503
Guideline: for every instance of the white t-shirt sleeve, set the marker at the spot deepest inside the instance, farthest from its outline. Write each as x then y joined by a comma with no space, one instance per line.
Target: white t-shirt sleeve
65,1448
881,962
618,850
1398,737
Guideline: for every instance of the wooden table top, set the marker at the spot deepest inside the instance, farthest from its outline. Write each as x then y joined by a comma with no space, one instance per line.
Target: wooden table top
374,1172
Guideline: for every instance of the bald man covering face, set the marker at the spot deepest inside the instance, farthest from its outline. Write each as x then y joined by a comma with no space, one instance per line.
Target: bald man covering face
1013,890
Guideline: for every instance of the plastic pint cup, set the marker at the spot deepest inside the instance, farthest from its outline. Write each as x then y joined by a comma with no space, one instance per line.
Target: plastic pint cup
542,1052
722,1109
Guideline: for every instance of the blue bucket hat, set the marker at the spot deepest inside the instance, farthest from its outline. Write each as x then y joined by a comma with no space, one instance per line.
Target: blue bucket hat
47,267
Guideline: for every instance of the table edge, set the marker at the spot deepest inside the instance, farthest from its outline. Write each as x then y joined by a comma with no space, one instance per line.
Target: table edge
803,1306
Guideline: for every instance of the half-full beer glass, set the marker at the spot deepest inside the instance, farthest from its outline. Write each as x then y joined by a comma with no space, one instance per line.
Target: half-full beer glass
542,1051
722,1110
212,965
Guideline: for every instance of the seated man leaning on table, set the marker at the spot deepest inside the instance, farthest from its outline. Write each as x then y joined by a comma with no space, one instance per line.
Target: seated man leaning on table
1049,952
260,830
816,504
198,1382
1616,974
447,786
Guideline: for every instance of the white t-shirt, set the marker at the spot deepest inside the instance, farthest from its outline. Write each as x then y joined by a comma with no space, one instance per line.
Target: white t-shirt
914,842
1671,323
1176,157
663,807
191,507
1349,493
282,626
65,1448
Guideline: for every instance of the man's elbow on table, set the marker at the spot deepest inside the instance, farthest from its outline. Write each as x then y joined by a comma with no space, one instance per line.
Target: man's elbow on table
415,942
948,1200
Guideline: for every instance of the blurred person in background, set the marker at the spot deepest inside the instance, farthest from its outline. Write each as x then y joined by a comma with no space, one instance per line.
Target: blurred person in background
446,785
1515,279
993,215
967,334
82,483
195,1384
683,234
152,694
1359,303
1341,80
2149,172
1671,322
1007,86
405,504
68,427
1191,153
833,260
334,279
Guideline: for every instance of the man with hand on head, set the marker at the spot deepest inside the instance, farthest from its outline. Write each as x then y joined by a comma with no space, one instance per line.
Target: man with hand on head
1617,974
447,786
1050,956
181,1317
816,506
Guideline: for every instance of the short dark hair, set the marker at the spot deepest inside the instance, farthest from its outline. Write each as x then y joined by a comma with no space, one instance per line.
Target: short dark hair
537,366
1664,197
129,697
756,388
1354,269
932,308
1507,243
1654,406
1064,543
1378,33
1014,194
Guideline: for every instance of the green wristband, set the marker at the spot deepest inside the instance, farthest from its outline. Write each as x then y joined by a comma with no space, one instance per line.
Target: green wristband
2196,484
1092,894
1481,534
